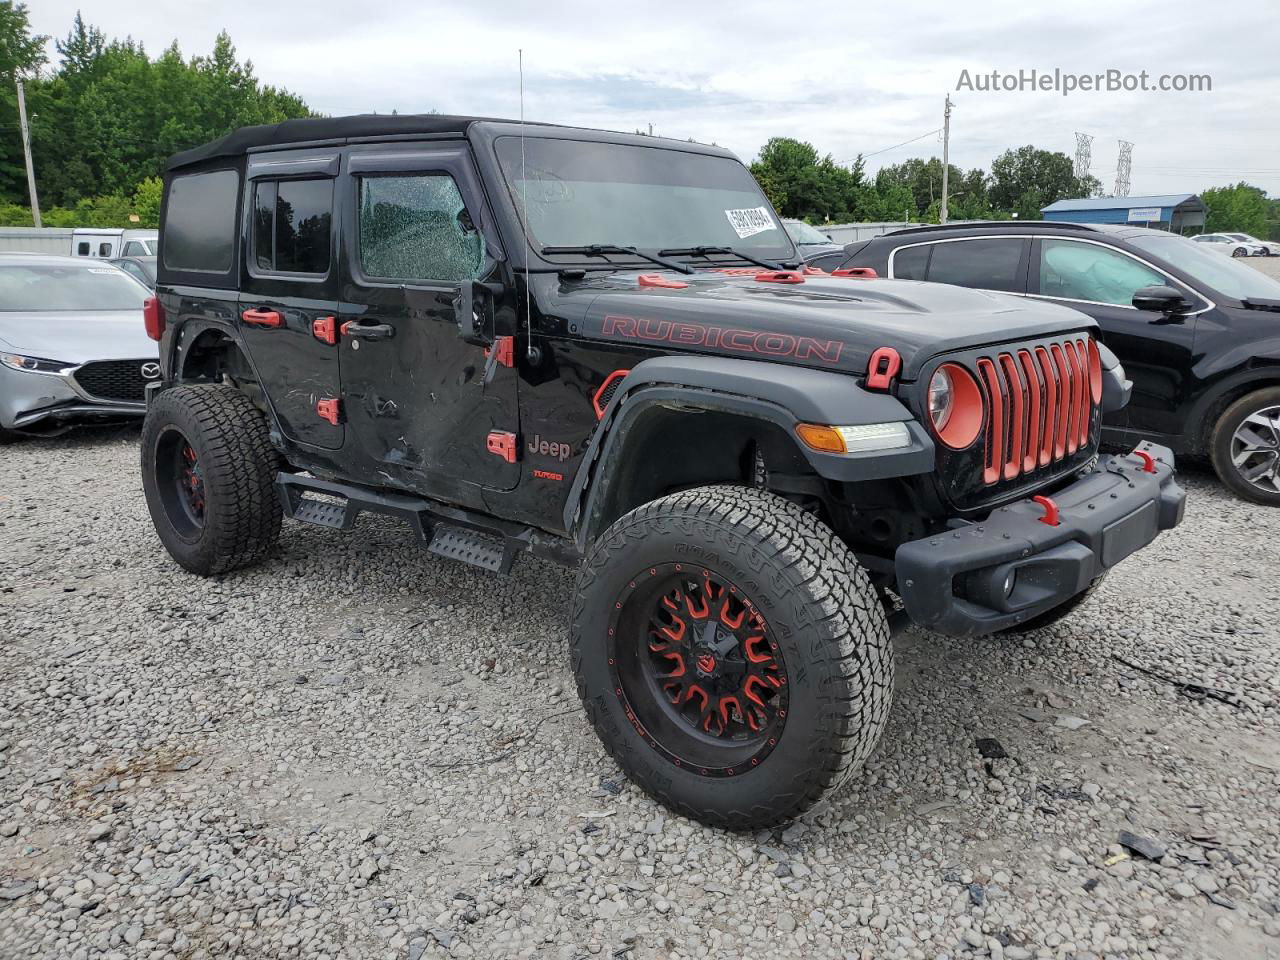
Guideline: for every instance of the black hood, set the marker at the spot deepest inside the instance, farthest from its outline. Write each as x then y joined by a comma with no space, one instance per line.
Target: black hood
827,322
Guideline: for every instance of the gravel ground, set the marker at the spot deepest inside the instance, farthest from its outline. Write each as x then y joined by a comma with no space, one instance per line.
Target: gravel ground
358,750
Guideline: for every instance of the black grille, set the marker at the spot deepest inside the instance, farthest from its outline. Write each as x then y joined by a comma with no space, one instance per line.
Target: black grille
119,380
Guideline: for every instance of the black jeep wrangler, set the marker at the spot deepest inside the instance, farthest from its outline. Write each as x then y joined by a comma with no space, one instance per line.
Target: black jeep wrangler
602,349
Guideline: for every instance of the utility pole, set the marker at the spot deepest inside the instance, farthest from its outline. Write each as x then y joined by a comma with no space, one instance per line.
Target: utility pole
946,157
26,149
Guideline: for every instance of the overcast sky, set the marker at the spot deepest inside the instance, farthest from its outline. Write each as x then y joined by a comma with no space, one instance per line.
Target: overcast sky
849,77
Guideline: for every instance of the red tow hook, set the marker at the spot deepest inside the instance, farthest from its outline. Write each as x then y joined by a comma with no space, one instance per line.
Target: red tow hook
1050,511
1148,461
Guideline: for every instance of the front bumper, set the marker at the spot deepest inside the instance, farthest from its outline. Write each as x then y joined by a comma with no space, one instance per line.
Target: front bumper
41,402
982,577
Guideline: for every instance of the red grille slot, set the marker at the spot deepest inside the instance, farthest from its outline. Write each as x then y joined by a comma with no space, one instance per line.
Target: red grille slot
1033,411
997,425
1086,392
1040,406
1017,420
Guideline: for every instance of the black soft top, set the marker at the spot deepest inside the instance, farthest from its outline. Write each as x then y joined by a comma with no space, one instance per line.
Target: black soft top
323,129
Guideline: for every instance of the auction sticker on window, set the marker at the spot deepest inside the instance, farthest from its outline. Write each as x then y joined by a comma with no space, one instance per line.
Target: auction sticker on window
747,223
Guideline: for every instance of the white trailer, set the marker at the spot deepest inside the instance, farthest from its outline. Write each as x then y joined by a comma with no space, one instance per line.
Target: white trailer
102,243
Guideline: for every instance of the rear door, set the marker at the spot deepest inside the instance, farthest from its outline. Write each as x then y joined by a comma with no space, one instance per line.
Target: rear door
1100,280
289,295
421,403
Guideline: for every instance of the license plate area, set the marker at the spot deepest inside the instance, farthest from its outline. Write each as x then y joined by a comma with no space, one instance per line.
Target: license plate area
1130,534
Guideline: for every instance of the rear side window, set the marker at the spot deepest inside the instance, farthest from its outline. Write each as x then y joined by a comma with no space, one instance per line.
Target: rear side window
292,220
135,248
200,222
416,227
83,248
984,264
909,262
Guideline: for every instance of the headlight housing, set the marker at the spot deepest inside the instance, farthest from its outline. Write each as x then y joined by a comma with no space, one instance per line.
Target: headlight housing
942,397
16,361
956,407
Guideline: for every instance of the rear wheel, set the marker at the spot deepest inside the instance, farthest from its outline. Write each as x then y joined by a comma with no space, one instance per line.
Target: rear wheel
731,654
1245,447
1239,252
208,472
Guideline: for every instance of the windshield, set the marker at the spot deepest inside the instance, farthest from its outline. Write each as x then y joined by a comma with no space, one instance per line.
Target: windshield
45,288
653,198
1223,275
803,233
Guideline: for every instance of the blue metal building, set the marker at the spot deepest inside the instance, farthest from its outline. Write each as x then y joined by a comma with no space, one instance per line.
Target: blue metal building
1179,212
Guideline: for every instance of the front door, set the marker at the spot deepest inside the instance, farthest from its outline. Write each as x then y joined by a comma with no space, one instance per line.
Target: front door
288,300
425,410
1101,281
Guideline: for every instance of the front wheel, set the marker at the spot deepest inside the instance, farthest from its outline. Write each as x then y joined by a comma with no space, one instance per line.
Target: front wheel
731,654
1245,447
208,473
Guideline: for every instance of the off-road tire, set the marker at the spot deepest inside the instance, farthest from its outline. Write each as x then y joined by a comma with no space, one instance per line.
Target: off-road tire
228,434
1060,612
1220,445
820,608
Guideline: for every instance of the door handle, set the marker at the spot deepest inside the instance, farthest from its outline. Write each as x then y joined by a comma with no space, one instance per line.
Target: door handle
368,331
263,318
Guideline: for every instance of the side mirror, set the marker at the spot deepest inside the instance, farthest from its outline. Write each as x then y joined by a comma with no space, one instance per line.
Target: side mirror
473,308
1161,298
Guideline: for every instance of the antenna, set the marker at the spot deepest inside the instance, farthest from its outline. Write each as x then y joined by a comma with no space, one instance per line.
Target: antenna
529,352
1122,168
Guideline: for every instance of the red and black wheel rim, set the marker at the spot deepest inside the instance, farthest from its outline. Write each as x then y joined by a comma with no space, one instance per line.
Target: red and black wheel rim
697,669
180,481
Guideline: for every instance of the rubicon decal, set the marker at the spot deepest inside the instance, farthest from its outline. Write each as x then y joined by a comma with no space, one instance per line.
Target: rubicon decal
762,342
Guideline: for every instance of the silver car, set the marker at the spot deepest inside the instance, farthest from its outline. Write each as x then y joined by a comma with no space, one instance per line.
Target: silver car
72,343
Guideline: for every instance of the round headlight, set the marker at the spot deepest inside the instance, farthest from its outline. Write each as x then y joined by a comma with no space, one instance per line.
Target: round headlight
941,398
955,406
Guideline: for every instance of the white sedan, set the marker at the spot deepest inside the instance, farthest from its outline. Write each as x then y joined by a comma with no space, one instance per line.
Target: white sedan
1228,245
1269,248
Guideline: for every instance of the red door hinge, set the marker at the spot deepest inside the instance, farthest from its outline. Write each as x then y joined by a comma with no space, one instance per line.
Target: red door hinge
506,348
503,444
325,329
330,408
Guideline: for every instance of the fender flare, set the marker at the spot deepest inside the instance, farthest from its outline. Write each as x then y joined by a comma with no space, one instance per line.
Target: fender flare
775,393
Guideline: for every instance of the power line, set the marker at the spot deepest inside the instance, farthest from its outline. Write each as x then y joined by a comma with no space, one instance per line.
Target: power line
895,146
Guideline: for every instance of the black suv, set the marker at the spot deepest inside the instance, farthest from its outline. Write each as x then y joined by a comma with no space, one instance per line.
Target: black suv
602,349
1196,331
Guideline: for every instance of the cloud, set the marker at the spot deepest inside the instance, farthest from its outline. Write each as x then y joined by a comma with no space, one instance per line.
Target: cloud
850,79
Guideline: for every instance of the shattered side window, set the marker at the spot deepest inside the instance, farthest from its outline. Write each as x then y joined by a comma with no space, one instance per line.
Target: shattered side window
416,227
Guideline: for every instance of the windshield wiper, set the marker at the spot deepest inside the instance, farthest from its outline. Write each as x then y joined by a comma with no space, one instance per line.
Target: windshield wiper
604,249
1261,303
730,251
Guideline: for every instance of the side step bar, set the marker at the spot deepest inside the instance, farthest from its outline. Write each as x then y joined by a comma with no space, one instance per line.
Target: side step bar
451,532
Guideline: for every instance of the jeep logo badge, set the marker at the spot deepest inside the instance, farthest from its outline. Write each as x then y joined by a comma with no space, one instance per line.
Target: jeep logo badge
151,371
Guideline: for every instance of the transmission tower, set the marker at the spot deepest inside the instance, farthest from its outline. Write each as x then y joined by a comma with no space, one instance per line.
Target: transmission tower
1122,169
1084,146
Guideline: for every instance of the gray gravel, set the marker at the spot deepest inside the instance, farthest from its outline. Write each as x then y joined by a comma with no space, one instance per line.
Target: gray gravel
361,751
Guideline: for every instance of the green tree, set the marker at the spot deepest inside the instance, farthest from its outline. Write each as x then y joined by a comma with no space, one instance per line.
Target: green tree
21,56
1241,208
802,184
109,115
1026,179
146,201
